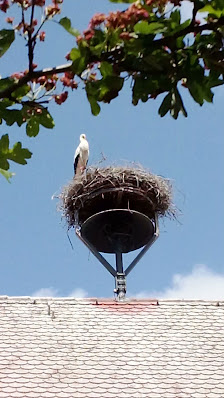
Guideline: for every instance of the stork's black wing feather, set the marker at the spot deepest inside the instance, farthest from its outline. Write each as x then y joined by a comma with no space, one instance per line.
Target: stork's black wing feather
76,163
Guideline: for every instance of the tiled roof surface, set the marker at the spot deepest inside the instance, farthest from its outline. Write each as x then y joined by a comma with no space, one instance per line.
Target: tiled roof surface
69,348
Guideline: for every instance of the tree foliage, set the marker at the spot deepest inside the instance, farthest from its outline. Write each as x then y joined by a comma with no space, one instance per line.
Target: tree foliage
148,43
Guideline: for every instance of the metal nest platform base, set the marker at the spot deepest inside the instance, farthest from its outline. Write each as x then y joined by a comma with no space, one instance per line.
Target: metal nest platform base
118,231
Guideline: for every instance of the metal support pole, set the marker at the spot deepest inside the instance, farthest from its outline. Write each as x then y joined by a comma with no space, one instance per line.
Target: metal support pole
119,262
97,254
144,250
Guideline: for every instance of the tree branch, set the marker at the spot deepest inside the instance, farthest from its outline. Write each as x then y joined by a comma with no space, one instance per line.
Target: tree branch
31,44
211,26
110,56
34,75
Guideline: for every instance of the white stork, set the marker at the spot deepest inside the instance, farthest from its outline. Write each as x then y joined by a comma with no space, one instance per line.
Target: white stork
81,156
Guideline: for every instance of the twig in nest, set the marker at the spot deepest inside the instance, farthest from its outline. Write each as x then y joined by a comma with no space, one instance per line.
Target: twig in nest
99,190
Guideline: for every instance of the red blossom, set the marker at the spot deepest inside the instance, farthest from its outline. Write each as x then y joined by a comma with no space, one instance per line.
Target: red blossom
42,79
184,82
32,67
42,36
17,75
38,111
27,27
125,36
59,99
69,75
74,84
128,17
9,20
68,57
52,10
88,33
176,2
4,5
49,85
24,3
54,77
19,26
39,3
65,81
96,20
78,39
92,76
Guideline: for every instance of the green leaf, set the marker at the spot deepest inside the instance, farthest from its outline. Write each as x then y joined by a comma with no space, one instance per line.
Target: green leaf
7,174
7,37
109,88
11,116
16,153
200,91
177,104
75,54
175,17
173,103
106,69
213,11
21,91
4,143
95,108
166,105
19,154
45,119
66,23
143,87
5,103
4,164
32,127
6,83
146,28
79,61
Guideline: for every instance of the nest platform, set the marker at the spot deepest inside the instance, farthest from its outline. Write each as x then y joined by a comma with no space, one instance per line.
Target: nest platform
101,189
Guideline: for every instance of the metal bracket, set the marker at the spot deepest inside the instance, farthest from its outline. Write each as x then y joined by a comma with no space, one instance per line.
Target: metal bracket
120,285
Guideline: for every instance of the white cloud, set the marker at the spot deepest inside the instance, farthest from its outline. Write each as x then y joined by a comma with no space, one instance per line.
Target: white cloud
46,292
52,292
78,293
200,284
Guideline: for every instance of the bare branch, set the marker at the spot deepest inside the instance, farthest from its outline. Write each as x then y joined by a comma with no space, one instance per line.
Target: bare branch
31,43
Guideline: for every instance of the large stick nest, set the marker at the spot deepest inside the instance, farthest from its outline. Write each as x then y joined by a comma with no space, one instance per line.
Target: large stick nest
116,188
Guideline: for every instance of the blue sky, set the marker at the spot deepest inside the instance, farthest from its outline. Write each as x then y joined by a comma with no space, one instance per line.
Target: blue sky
187,259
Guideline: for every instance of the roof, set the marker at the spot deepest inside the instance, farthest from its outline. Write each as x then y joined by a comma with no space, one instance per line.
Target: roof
96,348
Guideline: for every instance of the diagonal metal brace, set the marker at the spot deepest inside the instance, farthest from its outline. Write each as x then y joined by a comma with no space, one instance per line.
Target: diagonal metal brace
96,254
145,248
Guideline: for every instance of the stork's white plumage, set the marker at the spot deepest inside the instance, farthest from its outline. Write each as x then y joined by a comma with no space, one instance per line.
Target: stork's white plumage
81,156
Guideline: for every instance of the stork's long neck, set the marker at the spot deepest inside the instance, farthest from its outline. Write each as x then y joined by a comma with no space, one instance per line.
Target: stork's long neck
84,144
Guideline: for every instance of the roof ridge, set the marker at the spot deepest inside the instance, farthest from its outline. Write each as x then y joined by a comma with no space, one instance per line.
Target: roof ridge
108,301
